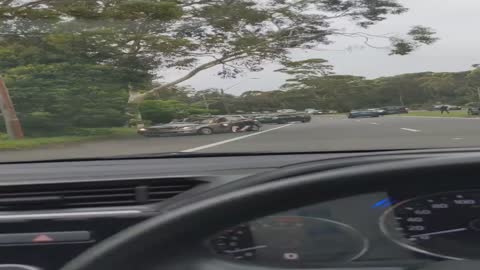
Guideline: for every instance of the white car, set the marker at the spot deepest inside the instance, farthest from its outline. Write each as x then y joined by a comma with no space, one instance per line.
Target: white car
286,111
312,111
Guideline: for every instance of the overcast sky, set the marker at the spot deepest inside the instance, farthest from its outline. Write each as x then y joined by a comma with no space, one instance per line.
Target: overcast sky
455,22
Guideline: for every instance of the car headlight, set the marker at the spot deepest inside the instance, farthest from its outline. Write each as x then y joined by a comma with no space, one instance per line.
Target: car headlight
142,129
274,118
187,128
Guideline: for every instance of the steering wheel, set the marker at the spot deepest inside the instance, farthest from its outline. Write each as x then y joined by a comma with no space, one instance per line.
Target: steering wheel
172,240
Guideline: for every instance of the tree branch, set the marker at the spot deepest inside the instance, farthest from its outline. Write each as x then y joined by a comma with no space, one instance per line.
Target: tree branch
140,97
6,2
32,4
200,2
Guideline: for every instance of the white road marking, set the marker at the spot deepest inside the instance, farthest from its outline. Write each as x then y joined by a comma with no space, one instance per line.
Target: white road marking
411,129
373,123
440,232
232,140
457,139
357,121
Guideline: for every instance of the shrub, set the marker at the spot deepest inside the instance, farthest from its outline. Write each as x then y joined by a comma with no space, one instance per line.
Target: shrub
164,111
42,124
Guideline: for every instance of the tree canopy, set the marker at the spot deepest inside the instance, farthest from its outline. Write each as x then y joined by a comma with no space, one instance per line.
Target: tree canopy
145,36
84,62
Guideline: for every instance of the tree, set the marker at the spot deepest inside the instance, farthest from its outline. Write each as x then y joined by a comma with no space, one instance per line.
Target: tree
473,80
145,36
164,111
69,95
12,123
439,85
127,35
306,68
239,35
214,99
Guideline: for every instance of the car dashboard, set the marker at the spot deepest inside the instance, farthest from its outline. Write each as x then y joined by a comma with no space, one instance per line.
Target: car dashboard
382,229
51,213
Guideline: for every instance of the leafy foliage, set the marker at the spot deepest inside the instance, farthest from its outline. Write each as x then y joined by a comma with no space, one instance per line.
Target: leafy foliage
77,63
56,96
164,111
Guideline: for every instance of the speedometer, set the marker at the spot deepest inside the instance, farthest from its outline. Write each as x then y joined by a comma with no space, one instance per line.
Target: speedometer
290,241
445,225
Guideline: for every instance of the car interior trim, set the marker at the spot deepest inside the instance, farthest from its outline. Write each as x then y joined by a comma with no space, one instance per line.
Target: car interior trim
10,217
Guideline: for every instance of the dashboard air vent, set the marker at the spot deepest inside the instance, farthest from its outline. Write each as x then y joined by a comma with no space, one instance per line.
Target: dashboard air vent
92,194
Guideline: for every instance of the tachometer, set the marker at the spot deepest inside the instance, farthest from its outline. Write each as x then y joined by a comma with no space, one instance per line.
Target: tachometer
290,240
445,225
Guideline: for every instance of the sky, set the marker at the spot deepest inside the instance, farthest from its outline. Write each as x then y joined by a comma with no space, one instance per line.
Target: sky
454,21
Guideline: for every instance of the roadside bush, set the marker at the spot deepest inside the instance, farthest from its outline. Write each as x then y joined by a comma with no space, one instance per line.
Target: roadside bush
164,111
42,124
95,118
157,111
89,132
195,110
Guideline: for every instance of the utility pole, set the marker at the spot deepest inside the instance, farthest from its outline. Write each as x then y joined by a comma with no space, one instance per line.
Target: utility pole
12,124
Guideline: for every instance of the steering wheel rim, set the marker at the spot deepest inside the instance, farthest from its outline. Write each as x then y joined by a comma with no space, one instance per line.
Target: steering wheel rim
170,239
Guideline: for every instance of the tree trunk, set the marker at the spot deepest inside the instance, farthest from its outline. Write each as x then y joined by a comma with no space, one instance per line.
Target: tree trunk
401,98
12,124
133,108
225,105
207,106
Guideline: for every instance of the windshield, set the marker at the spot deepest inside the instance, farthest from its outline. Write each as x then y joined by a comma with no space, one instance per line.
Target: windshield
85,79
192,120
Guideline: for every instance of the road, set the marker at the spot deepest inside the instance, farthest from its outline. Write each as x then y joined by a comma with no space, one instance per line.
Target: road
324,133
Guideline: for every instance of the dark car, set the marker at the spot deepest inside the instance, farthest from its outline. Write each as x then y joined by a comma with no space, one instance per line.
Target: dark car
363,113
284,118
473,108
201,126
395,109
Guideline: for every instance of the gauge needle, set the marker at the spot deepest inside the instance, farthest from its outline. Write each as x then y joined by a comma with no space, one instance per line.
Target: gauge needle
244,249
440,232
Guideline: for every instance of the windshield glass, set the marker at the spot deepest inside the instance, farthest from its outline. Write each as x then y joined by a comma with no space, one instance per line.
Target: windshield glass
84,79
193,120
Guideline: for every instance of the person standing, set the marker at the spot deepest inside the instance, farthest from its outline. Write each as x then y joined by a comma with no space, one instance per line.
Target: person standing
444,108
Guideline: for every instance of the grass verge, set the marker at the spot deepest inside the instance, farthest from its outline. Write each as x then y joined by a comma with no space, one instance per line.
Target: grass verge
29,143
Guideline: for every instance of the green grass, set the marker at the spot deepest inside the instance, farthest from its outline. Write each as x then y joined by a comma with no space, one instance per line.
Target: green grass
29,143
438,114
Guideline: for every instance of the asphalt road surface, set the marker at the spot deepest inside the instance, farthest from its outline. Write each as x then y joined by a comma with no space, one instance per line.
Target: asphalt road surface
324,133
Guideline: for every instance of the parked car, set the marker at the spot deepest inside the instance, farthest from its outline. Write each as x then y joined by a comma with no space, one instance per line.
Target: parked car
454,107
284,118
201,126
379,110
473,108
449,107
313,111
363,113
395,110
286,111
